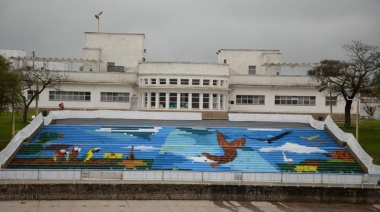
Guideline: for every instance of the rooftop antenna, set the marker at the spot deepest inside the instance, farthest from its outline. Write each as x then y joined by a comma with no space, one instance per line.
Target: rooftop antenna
98,17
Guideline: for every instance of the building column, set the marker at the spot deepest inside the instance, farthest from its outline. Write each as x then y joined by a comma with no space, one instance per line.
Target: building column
201,101
218,99
148,102
157,100
190,101
178,100
166,100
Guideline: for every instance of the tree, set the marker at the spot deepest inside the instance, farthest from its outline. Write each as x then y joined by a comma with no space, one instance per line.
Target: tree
351,78
9,90
35,81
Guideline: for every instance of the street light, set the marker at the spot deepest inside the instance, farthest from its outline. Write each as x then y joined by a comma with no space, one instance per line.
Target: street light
98,17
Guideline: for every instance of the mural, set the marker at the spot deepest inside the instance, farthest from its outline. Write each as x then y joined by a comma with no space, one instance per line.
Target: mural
185,148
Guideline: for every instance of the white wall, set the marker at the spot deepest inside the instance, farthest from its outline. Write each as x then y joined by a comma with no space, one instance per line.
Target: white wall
123,49
183,68
239,60
95,103
271,92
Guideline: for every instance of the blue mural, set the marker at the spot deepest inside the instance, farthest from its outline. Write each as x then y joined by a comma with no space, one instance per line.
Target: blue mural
185,148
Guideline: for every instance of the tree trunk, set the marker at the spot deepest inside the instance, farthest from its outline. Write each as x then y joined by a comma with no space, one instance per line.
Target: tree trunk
347,114
13,121
25,114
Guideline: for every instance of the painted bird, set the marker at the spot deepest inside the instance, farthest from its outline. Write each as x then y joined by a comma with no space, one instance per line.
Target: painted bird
91,152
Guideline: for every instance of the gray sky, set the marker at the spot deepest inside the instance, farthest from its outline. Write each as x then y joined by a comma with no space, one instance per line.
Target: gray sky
193,30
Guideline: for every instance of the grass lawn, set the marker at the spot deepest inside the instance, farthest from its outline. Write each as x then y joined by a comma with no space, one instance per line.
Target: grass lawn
369,136
6,127
369,133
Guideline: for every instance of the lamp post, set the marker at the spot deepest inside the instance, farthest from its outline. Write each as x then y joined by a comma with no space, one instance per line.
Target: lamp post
98,17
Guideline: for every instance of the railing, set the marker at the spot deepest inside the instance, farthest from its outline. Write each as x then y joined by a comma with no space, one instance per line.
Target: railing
189,177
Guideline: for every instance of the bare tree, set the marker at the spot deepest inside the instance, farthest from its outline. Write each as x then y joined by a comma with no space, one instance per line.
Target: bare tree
349,78
35,81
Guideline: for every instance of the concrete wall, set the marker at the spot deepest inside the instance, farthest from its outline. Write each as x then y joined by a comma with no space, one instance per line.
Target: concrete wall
183,69
120,48
239,60
186,192
271,92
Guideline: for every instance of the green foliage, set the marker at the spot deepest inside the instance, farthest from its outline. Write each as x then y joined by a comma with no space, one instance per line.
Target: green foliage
6,127
47,136
369,134
30,149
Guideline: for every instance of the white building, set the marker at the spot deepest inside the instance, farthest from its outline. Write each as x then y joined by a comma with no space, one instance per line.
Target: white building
115,75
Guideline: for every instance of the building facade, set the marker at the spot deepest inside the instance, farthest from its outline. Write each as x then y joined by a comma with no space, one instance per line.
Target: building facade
115,75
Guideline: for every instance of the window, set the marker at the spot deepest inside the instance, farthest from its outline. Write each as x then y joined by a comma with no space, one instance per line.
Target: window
145,100
215,82
195,100
221,102
214,101
153,100
114,97
153,81
173,100
333,101
252,70
162,100
30,94
162,81
295,100
206,101
69,96
146,81
184,100
221,83
173,81
250,99
184,81
206,82
196,82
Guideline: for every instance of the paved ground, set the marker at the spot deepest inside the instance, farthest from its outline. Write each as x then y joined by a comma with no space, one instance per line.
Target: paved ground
172,205
202,123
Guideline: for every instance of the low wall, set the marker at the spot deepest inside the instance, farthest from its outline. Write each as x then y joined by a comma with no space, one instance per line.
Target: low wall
186,192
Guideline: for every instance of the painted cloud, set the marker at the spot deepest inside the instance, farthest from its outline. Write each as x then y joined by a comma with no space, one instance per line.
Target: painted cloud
291,147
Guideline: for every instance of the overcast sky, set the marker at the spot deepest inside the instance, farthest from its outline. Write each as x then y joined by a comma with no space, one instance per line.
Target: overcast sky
193,30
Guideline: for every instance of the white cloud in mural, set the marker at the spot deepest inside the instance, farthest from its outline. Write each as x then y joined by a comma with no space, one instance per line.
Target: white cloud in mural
143,148
201,159
291,147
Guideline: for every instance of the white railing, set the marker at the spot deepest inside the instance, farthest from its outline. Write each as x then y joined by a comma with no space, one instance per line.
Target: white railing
186,177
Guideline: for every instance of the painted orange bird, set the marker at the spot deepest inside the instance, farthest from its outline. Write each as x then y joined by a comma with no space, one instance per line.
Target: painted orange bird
229,149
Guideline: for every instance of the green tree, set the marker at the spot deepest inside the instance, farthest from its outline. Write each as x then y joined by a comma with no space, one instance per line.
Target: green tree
10,92
350,78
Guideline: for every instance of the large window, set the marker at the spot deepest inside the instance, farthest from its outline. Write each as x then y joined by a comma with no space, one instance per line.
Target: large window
295,100
153,100
153,81
69,96
333,100
114,97
184,100
173,100
206,101
195,100
206,82
252,70
214,101
162,100
250,99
